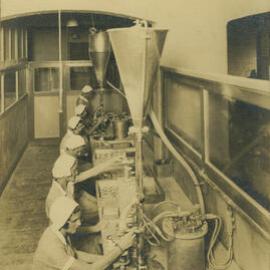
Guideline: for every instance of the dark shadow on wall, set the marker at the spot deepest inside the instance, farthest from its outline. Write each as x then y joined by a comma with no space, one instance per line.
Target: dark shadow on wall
249,46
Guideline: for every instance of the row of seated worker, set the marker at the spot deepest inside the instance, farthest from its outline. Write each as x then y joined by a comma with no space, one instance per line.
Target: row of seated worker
72,239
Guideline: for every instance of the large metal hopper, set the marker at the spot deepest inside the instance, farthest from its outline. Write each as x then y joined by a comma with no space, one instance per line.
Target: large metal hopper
137,51
99,51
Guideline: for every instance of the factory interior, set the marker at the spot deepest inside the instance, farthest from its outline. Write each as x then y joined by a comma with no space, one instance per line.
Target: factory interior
166,113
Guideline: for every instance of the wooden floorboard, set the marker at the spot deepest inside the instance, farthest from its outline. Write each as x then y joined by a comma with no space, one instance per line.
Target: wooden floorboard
22,218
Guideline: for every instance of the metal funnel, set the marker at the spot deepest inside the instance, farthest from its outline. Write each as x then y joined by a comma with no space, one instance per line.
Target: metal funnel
99,51
137,51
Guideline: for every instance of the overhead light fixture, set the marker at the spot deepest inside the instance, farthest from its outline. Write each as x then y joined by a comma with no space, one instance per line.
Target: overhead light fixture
72,23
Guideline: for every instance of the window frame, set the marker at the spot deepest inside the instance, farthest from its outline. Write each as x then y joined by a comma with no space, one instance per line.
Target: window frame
15,69
255,92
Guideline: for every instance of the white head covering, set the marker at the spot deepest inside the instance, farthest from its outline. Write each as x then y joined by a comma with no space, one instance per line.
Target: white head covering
73,122
60,211
63,165
80,109
75,141
87,89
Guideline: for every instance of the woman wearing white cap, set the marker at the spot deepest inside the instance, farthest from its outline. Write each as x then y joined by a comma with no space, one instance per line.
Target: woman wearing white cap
84,183
76,146
75,124
64,174
86,92
86,116
75,127
55,251
82,112
64,179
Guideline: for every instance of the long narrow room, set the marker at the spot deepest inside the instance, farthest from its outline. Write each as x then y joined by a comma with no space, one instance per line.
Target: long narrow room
134,135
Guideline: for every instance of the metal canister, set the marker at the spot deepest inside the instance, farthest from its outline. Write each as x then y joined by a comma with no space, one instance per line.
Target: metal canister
187,250
120,126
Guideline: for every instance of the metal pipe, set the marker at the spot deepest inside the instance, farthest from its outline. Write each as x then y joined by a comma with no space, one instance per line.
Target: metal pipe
2,107
116,89
60,63
186,166
101,96
139,166
2,58
2,52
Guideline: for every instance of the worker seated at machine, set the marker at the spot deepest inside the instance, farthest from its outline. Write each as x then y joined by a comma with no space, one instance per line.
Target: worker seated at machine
64,179
82,111
91,121
86,94
76,146
75,127
55,250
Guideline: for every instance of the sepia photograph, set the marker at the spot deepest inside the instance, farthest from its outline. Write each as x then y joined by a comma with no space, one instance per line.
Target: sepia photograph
134,135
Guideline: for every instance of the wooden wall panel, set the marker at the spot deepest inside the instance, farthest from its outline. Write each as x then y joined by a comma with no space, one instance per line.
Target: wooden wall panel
46,116
13,138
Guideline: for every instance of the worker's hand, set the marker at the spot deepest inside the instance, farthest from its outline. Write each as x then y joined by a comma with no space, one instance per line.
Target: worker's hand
108,164
117,160
127,240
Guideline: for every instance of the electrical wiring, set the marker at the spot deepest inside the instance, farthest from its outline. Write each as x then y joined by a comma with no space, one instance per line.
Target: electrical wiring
153,230
164,203
153,234
213,241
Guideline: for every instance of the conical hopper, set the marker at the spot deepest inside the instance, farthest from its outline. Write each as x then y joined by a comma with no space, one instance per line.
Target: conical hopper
137,51
99,51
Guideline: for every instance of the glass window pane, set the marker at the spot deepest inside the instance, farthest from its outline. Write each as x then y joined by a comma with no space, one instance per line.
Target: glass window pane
19,43
1,44
6,43
22,43
1,93
13,44
184,111
25,43
10,88
22,83
46,79
218,130
80,76
240,145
